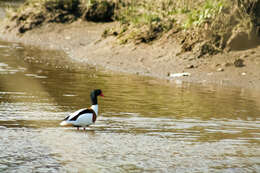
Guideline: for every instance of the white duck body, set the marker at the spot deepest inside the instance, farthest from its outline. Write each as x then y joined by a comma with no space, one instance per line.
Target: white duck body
81,118
84,117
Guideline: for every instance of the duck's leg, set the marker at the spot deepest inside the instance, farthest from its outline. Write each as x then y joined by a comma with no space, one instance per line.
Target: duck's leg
77,128
84,128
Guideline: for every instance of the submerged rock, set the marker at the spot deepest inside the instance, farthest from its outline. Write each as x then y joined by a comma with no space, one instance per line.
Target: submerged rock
239,63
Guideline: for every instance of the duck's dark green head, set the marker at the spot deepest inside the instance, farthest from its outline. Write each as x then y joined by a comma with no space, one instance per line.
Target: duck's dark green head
94,94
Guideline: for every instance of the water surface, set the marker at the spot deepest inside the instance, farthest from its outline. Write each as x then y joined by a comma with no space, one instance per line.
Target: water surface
144,125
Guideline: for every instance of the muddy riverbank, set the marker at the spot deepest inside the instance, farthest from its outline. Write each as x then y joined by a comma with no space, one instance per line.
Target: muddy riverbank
204,56
83,43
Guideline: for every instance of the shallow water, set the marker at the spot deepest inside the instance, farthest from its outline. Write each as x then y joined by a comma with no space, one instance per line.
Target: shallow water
144,125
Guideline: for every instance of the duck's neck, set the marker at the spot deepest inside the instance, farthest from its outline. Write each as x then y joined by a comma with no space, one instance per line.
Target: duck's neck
95,108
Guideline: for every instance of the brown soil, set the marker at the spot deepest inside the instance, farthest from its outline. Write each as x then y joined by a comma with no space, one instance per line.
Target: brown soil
83,43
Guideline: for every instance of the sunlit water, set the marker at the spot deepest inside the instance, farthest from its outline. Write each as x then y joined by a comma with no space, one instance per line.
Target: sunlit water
144,125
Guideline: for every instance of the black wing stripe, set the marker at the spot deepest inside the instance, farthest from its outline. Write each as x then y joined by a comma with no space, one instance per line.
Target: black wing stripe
82,112
66,118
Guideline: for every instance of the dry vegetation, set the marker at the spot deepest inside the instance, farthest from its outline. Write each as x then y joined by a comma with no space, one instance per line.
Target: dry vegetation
209,26
35,13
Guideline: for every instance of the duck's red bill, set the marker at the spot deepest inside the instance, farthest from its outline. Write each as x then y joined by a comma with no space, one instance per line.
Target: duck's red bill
102,95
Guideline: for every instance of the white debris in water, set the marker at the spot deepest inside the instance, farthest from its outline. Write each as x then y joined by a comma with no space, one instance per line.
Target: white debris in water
4,46
69,95
36,76
179,74
3,65
220,69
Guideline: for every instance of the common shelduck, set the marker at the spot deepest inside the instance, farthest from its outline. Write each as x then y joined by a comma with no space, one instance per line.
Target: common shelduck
86,116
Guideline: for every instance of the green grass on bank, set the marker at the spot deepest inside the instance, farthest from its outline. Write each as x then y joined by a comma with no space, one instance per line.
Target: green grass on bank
148,20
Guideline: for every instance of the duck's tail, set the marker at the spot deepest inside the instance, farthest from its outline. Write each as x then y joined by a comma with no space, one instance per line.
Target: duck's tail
65,123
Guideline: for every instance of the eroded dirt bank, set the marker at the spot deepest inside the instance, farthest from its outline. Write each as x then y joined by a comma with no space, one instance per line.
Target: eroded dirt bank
82,42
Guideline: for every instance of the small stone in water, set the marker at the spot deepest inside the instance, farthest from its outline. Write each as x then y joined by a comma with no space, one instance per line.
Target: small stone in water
190,66
220,69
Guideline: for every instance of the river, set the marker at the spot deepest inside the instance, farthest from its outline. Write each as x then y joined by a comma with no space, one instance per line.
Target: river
144,125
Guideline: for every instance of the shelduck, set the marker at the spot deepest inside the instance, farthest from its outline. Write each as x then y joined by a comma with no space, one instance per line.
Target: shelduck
86,116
